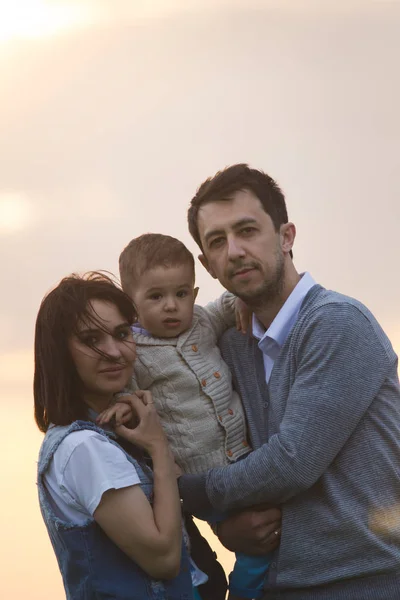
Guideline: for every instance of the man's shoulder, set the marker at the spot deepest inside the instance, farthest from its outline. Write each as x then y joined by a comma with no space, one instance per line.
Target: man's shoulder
330,303
330,311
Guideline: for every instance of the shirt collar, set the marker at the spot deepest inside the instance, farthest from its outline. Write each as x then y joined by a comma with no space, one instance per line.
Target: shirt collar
280,327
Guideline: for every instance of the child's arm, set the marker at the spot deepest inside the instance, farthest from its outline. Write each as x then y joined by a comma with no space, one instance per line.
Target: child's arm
228,311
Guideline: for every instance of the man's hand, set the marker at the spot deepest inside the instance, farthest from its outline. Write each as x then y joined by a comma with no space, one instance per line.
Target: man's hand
253,532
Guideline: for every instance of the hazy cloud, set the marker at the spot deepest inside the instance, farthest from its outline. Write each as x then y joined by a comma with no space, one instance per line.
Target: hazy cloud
107,132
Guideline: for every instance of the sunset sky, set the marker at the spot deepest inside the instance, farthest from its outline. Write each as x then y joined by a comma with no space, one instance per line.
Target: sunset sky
112,112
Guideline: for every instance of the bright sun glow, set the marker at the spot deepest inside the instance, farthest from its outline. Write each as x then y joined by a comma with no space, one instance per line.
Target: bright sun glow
15,212
38,18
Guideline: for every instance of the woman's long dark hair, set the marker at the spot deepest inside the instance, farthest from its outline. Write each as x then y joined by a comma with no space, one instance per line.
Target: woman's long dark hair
57,388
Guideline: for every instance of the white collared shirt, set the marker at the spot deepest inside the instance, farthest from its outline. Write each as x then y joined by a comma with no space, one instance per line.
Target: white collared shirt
272,340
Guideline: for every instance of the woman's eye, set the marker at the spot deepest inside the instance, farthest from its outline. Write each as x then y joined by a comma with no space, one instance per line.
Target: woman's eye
90,340
123,334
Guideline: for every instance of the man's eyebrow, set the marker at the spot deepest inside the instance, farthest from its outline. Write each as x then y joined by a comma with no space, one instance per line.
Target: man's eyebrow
237,225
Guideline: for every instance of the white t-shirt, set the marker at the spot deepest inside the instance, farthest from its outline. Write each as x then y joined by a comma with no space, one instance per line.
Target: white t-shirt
84,466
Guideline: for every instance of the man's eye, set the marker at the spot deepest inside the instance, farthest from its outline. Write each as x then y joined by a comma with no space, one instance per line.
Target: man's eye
216,242
247,230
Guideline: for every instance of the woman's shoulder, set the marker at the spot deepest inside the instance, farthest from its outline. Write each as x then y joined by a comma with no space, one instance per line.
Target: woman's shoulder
82,438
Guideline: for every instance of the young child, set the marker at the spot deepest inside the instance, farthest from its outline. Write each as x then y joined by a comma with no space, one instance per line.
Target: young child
178,360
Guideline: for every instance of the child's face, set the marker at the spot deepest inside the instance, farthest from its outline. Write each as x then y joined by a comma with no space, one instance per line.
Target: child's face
164,298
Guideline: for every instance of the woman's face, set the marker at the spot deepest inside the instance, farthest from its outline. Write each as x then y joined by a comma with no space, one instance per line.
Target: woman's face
108,371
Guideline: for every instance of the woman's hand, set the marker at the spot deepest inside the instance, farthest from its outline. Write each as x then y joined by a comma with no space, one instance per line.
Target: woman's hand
148,433
243,315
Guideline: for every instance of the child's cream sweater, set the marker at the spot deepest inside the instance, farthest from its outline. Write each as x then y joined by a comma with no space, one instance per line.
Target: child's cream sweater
192,389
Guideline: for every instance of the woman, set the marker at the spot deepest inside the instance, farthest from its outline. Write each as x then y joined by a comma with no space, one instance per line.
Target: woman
114,525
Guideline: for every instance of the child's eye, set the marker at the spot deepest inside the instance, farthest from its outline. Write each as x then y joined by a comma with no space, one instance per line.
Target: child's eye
182,294
155,297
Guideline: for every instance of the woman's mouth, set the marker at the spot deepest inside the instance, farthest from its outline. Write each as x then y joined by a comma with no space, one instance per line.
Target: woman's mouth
114,369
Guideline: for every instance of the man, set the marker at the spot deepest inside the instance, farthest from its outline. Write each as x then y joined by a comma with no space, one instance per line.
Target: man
318,378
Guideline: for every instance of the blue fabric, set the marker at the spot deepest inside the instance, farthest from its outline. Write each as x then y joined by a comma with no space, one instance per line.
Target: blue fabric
92,566
196,594
248,576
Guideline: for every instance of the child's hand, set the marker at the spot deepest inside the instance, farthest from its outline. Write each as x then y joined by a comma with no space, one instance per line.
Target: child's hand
120,413
243,316
148,434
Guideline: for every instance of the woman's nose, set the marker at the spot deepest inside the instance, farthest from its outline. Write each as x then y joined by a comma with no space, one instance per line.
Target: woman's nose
112,348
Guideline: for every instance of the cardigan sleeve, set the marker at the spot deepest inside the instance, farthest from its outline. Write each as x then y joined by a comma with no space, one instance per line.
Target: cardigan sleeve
342,363
221,313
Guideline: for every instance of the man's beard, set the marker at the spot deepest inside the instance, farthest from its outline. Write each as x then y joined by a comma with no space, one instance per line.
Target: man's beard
270,289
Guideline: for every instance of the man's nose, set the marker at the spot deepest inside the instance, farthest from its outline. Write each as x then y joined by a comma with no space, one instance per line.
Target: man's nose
235,248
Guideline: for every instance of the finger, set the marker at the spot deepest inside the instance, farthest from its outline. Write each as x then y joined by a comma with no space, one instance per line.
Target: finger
244,325
124,432
106,415
117,410
145,396
122,413
238,324
267,534
138,406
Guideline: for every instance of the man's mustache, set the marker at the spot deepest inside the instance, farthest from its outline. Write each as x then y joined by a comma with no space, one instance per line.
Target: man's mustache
241,267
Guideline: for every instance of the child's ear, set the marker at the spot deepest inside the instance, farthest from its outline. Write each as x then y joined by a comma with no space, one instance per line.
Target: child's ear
196,291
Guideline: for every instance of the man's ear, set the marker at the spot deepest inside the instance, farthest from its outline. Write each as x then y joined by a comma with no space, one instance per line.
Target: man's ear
288,235
195,292
205,264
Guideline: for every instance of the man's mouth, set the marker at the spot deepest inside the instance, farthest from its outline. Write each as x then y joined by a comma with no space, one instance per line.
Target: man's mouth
242,272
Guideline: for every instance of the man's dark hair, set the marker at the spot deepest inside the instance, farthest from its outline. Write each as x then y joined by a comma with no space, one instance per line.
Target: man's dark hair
148,251
233,179
57,387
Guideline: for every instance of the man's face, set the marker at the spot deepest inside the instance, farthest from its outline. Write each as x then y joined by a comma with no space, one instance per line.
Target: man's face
242,248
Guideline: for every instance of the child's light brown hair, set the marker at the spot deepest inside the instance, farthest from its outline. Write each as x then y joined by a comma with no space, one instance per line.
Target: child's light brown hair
148,251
